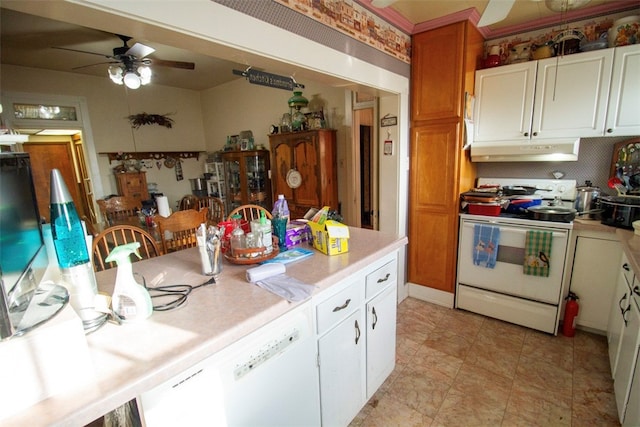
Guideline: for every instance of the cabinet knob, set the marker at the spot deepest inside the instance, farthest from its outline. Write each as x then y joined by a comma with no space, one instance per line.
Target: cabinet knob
535,134
609,130
526,134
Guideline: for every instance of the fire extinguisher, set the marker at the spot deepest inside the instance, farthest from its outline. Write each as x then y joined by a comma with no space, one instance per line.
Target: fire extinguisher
570,314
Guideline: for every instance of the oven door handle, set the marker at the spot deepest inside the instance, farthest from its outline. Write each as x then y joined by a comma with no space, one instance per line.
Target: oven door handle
504,229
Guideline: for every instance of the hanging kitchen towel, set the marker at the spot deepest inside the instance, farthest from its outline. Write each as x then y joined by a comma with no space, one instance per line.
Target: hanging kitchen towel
486,239
537,250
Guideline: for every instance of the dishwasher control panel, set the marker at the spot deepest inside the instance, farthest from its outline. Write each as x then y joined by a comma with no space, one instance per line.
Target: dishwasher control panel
265,353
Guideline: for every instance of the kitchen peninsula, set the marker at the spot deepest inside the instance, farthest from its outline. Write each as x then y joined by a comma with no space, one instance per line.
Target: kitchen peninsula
132,359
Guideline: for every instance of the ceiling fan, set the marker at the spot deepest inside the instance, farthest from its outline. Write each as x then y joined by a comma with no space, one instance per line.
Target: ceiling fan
497,10
130,65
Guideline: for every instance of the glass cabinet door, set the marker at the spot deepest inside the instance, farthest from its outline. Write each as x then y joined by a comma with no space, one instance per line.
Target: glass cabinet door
247,178
255,167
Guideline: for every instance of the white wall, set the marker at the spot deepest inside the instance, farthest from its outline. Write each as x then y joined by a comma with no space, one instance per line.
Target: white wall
239,105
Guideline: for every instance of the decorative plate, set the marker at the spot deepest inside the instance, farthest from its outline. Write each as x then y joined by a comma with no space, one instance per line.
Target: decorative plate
569,35
294,179
169,162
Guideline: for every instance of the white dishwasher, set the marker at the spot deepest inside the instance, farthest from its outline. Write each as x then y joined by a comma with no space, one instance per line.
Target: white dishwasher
268,378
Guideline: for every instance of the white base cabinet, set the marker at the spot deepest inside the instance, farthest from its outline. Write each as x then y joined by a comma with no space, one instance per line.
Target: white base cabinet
593,279
618,304
356,328
623,335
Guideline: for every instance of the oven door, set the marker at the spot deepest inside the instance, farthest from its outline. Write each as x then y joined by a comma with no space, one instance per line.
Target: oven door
507,277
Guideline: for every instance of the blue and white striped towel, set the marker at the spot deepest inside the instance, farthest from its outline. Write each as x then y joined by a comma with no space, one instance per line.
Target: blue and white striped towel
486,239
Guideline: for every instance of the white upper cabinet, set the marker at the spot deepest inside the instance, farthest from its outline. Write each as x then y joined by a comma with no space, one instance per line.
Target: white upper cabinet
560,97
623,114
571,95
504,102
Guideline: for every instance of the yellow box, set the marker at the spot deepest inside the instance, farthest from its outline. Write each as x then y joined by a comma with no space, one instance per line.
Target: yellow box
331,238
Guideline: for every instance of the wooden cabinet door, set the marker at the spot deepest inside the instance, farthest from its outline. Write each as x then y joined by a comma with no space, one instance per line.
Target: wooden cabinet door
306,161
433,202
436,67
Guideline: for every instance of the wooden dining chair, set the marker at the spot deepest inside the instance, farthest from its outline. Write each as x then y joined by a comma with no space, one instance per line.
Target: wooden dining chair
118,208
189,201
118,235
178,230
216,209
250,212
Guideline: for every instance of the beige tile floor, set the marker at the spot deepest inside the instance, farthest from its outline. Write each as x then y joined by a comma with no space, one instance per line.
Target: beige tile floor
456,368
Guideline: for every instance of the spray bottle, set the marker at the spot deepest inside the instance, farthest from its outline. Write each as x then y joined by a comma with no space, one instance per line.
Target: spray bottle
130,300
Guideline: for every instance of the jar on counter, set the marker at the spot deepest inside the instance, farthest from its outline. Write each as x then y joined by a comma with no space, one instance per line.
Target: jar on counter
238,238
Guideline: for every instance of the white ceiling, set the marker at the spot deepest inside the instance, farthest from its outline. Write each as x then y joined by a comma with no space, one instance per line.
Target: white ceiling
27,39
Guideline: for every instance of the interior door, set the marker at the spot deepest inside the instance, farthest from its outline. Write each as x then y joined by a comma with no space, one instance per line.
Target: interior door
44,157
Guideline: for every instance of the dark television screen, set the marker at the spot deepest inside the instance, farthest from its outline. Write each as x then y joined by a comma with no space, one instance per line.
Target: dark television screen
20,231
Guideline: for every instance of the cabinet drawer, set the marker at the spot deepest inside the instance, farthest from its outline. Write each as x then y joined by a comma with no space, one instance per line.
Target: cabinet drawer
338,307
381,278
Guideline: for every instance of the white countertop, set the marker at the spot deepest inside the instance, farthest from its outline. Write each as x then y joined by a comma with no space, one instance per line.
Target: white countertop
132,358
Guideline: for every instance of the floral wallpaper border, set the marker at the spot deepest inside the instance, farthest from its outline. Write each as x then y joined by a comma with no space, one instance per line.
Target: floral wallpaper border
357,22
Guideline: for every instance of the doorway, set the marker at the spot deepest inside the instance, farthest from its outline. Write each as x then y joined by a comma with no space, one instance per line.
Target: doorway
64,153
366,160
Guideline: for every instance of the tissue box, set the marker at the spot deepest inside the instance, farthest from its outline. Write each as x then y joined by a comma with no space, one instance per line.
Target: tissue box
296,233
330,238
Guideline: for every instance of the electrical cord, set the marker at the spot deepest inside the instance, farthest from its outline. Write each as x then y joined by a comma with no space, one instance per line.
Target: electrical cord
176,294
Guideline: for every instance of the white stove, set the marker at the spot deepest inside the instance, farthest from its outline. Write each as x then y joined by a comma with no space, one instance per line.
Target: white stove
550,189
505,288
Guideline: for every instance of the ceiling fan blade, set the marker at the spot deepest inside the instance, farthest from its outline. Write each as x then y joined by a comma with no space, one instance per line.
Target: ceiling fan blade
83,51
97,63
495,11
140,51
173,64
382,3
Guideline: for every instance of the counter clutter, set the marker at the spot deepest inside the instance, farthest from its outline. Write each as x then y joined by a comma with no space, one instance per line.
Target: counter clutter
134,358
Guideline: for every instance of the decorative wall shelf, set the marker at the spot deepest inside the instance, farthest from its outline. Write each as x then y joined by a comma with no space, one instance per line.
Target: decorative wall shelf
155,155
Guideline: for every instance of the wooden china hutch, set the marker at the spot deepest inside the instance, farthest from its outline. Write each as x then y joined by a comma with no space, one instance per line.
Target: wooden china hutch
303,168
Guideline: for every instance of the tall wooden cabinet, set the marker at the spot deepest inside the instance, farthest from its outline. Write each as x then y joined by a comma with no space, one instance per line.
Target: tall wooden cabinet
443,65
133,184
313,155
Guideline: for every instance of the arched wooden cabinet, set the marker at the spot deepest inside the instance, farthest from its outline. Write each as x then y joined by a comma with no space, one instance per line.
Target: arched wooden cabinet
313,155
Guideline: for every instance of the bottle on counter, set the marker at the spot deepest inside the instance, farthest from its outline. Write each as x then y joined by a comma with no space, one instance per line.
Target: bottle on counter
281,207
238,238
71,250
262,227
279,221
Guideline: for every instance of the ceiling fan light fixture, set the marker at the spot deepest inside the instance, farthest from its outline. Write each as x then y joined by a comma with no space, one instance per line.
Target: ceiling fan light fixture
145,74
132,80
565,5
115,74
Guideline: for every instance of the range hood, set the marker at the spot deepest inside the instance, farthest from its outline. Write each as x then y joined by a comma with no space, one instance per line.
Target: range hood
552,150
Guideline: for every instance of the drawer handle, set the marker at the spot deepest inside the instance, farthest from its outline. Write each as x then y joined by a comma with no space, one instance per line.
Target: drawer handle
375,318
624,315
357,332
636,290
343,306
625,266
385,278
624,297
